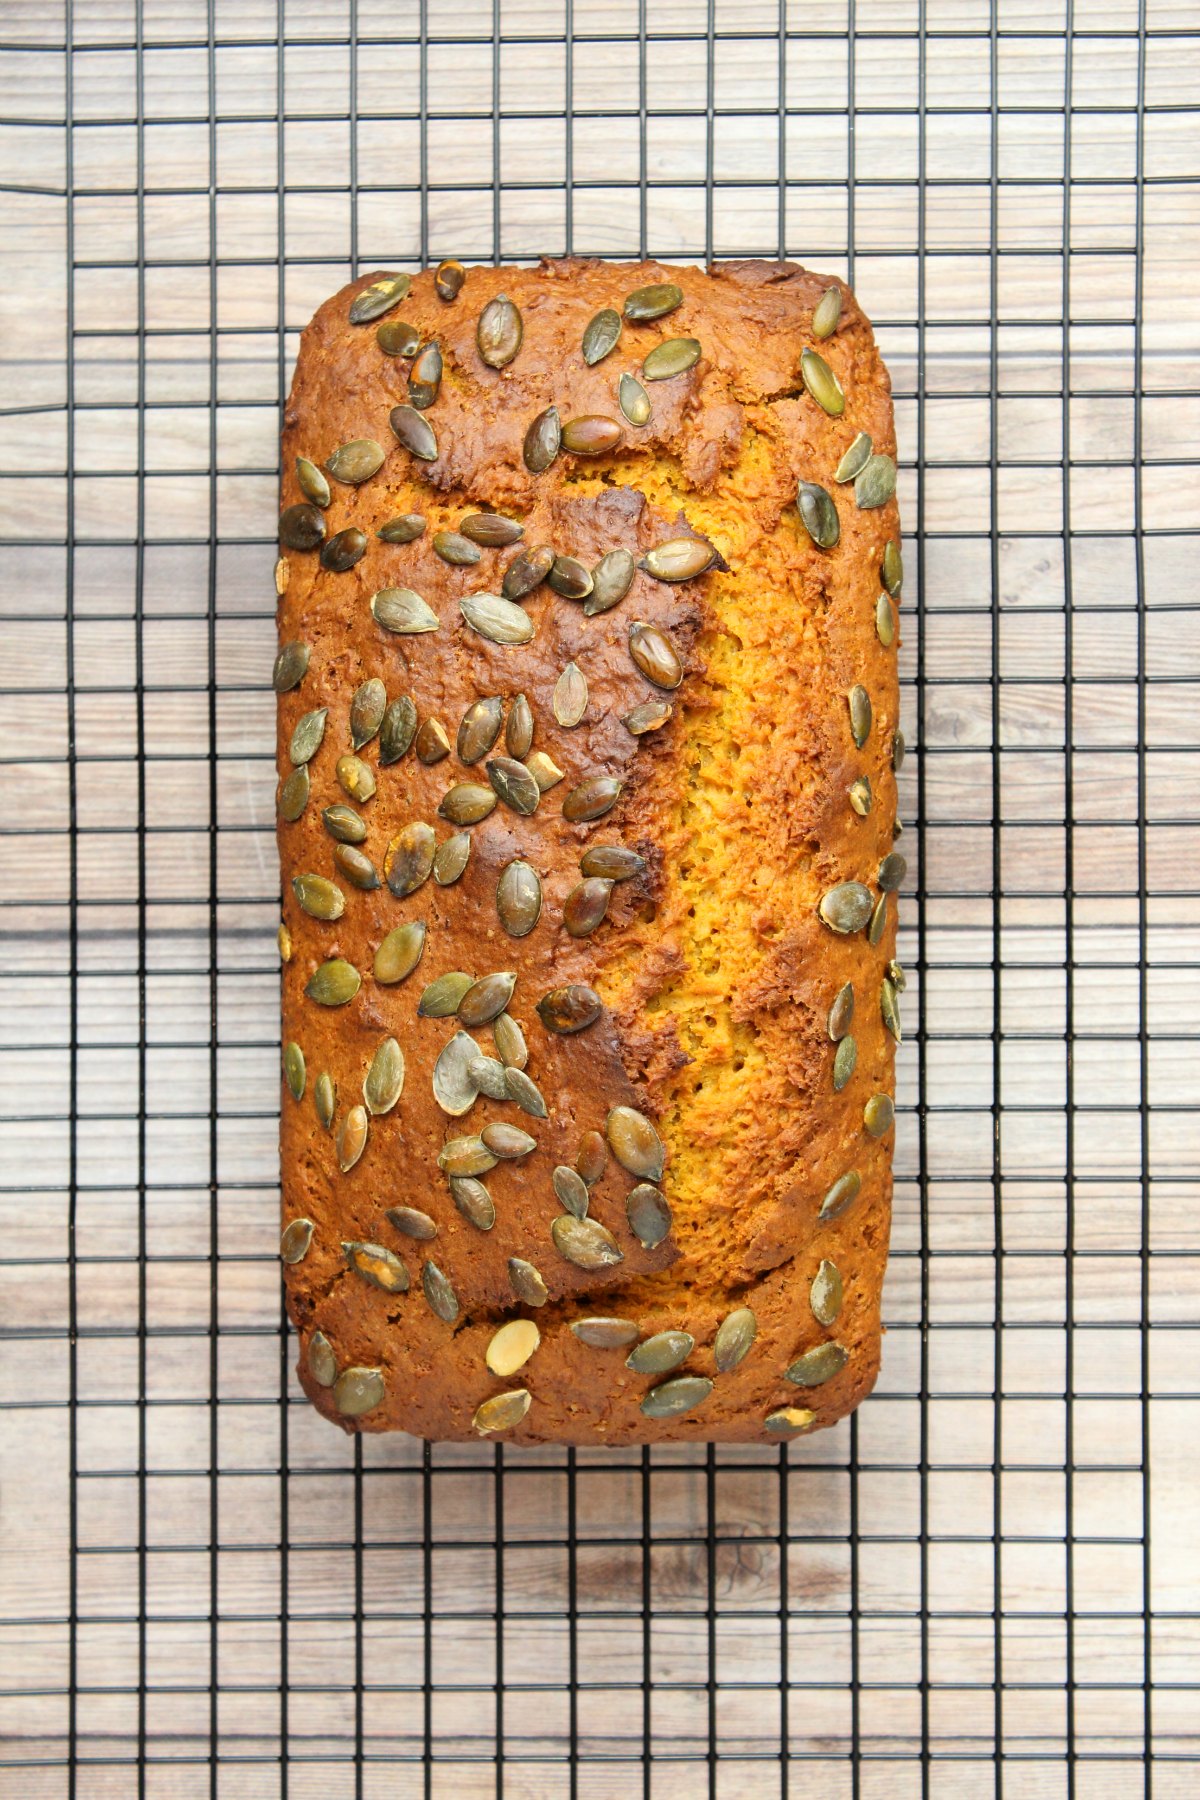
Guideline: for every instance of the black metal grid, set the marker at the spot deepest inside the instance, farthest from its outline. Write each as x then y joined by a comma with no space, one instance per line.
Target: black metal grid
208,1592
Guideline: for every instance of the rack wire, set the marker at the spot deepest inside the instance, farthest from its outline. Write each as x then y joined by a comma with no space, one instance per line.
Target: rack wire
207,1591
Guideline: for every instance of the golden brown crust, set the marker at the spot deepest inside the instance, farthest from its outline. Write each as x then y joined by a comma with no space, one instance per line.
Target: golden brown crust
716,971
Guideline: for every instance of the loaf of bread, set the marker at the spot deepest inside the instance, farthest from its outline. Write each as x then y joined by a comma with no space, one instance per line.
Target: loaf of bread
588,590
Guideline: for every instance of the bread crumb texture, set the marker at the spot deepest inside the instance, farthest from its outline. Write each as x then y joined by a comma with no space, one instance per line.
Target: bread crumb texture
712,971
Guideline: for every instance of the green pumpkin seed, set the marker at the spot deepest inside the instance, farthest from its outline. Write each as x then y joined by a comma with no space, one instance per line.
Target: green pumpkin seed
846,908
409,859
451,858
527,1283
654,301
486,998
735,1336
566,1010
439,1293
455,549
343,824
291,666
467,803
585,1243
571,1191
479,729
366,712
283,941
358,869
879,1115
635,1143
591,799
344,549
570,696
399,953
842,1194
357,1391
432,743
825,1294
633,400
892,871
378,297
679,559
518,729
448,280
843,1063
511,1347
333,983
355,778
312,482
492,530
514,785
414,433
605,1334
822,383
570,578
542,441
397,730
502,1411
402,611
827,312
674,356
898,751
841,1013
405,528
425,378
411,1223
818,1365
859,702
510,1041
655,655
453,1088
294,1242
544,769
301,527
499,332
855,458
525,1093
861,798
351,1139
658,1354
396,338
818,515
294,1071
319,898
889,1008
648,1214
488,1076
592,435
307,734
496,619
322,1364
612,862
519,898
473,1201
892,568
876,483
325,1099
600,336
612,579
440,999
878,922
896,976
507,1141
462,1158
679,1395
885,622
586,905
354,462
787,1421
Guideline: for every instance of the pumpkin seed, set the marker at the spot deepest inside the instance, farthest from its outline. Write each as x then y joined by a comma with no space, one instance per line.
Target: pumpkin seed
440,999
818,515
592,435
892,871
357,1391
658,1354
319,898
455,549
655,655
585,1243
397,731
818,1365
283,940
295,1239
448,279
586,905
635,1143
889,1008
612,579
612,862
518,729
571,1191
499,332
898,751
591,799
654,301
605,1334
425,378
855,458
827,312
511,1347
432,742
294,1072
301,527
825,1294
600,336
344,824
403,529
411,1223
878,923
542,441
892,568
366,712
861,798
674,356
679,559
519,898
473,1201
497,619
358,869
325,1099
885,622
846,908
879,1115
843,1063
352,1138
438,1292
282,575
507,1141
400,952
492,530
322,1364
735,1335
354,462
486,998
291,666
488,1076
859,702
896,976
842,1194
453,1088
462,1158
679,1395
333,983
566,1010
467,803
451,858
527,1283
344,549
648,1214
355,778
409,858
786,1421
396,338
570,696
414,433
525,1093
514,785
479,728
841,1013
378,297
570,578
822,383
544,769
402,611
592,1159
633,400
306,736
527,570
312,482
510,1041
876,483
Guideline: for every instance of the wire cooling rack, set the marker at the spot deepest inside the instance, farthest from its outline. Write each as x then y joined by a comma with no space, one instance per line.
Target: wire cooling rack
985,1584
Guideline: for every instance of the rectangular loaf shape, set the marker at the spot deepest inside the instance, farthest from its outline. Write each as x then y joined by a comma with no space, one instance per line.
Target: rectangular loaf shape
701,826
